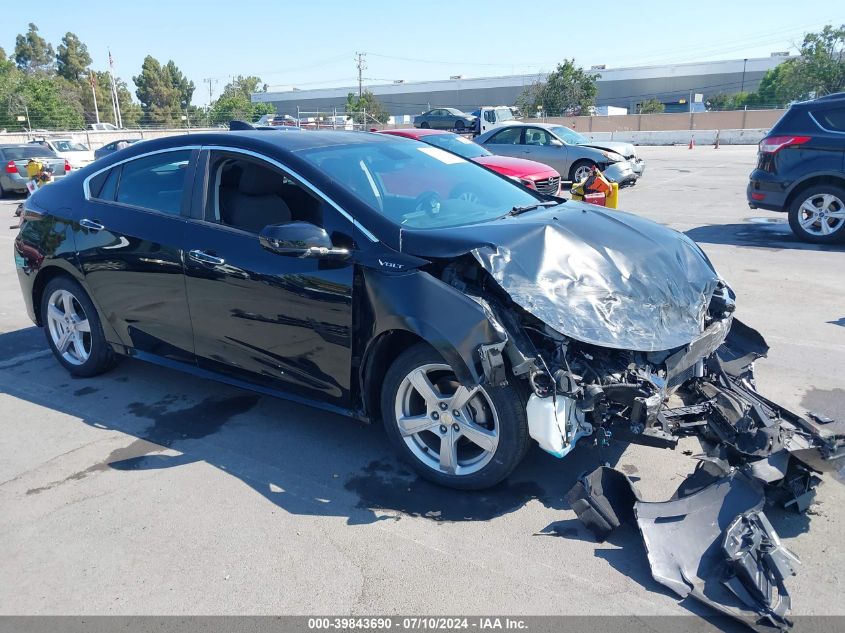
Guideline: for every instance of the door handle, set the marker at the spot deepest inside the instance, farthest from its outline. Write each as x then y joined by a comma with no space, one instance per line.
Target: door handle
205,258
91,225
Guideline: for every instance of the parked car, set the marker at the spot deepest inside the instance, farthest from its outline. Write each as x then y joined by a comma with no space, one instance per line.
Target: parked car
445,119
77,154
467,325
114,146
103,126
801,169
571,157
528,172
13,159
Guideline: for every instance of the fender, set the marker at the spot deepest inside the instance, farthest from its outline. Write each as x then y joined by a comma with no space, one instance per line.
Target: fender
450,321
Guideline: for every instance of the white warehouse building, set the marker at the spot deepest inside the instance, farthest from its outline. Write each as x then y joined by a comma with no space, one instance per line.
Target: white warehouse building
671,84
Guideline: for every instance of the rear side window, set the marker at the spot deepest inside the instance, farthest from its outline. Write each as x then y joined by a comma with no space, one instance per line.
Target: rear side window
155,182
507,137
833,119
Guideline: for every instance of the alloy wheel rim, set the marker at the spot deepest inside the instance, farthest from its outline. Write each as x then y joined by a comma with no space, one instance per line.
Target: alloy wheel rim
582,173
821,214
69,327
449,428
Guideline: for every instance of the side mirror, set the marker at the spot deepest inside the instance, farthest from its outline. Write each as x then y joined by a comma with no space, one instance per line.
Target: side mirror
556,143
299,239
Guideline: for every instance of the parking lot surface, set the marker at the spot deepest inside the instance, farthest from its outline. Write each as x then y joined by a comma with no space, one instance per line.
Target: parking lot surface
146,491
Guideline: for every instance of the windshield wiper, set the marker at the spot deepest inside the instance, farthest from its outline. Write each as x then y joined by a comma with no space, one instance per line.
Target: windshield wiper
531,207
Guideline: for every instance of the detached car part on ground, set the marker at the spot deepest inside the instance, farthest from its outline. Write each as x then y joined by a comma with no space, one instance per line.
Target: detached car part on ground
310,266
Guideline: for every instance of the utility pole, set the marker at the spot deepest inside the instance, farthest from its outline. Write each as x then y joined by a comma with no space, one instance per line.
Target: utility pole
115,101
211,81
362,65
94,93
742,85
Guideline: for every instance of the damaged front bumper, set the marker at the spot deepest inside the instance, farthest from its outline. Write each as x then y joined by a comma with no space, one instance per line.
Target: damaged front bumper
711,541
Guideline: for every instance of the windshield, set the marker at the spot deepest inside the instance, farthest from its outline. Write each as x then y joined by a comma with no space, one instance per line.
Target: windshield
457,144
69,146
568,136
419,186
20,153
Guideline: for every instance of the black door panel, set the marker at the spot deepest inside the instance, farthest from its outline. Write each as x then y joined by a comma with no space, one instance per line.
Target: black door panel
133,267
281,321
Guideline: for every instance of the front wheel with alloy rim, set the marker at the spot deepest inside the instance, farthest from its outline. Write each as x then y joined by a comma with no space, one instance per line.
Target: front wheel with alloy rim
818,214
73,329
466,438
581,170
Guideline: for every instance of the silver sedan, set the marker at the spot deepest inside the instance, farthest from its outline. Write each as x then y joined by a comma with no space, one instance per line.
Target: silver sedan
564,150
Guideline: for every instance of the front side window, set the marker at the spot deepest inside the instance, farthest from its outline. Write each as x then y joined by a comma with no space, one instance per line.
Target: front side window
416,185
537,136
250,194
155,182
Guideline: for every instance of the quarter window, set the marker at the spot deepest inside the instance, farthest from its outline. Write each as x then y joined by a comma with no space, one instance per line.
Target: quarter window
155,182
832,119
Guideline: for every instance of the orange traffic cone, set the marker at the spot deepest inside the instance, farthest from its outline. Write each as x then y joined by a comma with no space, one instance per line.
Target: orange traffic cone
691,142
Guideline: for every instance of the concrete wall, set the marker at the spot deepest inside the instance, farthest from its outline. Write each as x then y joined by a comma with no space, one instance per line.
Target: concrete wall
734,119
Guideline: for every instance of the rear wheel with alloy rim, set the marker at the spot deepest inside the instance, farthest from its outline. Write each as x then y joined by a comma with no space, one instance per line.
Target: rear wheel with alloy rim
73,329
818,214
468,438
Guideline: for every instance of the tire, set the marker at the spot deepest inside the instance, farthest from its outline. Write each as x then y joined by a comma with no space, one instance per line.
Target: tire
459,125
424,125
82,351
2,191
492,416
817,214
579,165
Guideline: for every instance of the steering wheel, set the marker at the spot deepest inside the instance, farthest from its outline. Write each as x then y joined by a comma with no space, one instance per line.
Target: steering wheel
428,202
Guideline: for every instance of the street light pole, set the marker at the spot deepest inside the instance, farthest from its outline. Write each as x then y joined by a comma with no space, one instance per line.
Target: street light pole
742,84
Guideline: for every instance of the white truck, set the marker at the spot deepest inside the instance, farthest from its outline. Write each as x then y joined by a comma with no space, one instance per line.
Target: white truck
489,117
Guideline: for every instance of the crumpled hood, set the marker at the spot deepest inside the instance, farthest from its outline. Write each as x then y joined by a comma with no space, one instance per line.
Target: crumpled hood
603,277
625,149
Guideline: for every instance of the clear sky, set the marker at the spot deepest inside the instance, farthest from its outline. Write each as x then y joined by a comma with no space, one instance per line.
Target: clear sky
312,45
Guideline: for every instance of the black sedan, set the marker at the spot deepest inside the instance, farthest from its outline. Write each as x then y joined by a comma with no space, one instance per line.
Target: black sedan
385,278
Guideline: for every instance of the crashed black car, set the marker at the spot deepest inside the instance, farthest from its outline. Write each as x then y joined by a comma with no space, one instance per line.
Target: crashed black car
385,278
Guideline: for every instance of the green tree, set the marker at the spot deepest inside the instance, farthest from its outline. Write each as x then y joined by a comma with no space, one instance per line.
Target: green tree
567,90
72,58
652,106
235,102
33,52
6,64
180,83
366,108
163,92
819,69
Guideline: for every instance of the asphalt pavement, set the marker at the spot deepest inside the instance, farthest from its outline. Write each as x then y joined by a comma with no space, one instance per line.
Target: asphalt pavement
146,491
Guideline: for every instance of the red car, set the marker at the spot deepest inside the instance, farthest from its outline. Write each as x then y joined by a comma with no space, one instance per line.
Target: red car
530,173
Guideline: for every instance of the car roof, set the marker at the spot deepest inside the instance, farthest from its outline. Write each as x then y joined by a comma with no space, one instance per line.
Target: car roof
256,139
412,132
